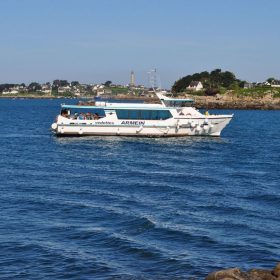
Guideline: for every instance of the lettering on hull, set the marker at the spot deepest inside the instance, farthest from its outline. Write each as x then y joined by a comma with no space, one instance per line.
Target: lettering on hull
104,122
133,122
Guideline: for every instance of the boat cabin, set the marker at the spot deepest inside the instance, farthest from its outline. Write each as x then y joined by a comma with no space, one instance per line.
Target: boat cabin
95,113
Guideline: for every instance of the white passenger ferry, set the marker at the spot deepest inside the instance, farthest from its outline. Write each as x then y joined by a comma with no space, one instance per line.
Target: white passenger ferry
173,117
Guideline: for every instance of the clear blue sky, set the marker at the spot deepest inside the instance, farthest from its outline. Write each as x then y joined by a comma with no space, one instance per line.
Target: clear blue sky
98,40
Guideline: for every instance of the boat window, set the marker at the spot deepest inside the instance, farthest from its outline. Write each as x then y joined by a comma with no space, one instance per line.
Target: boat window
154,115
143,114
134,115
177,103
82,113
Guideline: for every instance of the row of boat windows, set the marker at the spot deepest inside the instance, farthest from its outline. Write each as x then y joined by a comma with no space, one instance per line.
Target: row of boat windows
80,115
177,103
121,114
143,114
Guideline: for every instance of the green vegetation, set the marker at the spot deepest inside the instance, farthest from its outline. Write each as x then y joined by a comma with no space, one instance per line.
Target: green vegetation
212,81
119,90
124,90
107,83
33,87
219,82
276,94
258,92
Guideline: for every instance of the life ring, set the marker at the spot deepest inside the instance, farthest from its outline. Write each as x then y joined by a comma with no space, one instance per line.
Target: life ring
54,126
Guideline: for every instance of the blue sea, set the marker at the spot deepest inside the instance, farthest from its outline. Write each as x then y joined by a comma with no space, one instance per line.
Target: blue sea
131,208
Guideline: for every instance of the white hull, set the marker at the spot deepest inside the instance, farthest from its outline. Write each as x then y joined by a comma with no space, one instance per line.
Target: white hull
148,120
182,127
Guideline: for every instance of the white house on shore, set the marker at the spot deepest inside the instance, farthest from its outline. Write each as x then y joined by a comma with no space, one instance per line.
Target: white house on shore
275,83
10,91
47,89
195,86
64,89
248,85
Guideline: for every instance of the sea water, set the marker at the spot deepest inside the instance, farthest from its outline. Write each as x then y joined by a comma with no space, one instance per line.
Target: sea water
136,208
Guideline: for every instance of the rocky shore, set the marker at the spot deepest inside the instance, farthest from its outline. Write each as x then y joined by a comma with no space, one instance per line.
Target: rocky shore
244,103
253,274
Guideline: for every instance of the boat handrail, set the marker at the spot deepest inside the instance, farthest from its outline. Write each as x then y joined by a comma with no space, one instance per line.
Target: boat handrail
65,106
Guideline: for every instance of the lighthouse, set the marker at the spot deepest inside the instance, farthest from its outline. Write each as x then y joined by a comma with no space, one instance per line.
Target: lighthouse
132,79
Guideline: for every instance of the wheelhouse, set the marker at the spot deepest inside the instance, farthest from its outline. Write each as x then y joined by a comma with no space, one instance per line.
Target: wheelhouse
177,102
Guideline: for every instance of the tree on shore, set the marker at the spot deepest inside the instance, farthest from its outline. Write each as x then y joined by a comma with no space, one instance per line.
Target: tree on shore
34,86
107,83
270,80
211,81
6,86
60,83
75,83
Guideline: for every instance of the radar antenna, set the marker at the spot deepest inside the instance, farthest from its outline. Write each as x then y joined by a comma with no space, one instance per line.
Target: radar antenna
152,74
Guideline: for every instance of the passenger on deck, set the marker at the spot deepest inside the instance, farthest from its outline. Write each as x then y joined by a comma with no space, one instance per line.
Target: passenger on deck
64,113
81,116
95,116
88,116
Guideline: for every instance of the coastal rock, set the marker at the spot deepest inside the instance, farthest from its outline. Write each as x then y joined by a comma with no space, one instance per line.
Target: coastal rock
227,274
228,101
260,274
276,271
253,274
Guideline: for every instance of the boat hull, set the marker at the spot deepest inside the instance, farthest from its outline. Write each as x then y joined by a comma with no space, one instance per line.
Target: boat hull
176,128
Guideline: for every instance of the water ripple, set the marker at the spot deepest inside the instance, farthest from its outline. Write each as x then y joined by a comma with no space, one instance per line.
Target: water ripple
129,208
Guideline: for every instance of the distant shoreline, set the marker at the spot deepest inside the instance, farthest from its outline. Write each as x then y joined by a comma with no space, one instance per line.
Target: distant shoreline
201,102
37,97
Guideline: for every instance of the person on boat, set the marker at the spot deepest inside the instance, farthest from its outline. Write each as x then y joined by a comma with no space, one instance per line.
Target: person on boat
81,116
88,116
64,113
95,116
